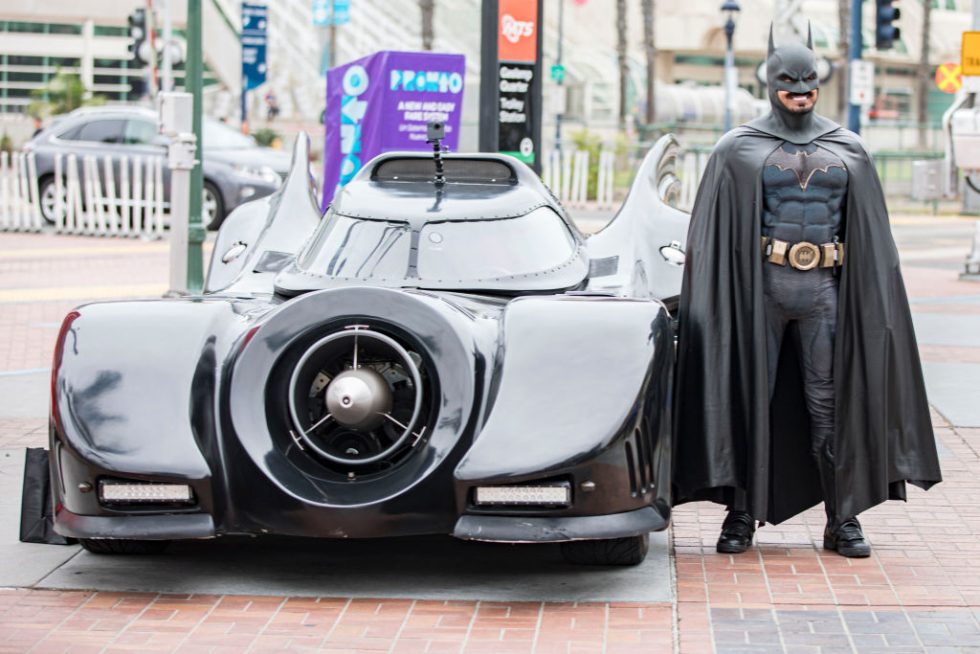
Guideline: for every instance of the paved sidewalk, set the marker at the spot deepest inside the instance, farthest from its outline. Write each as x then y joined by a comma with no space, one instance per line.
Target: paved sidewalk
919,592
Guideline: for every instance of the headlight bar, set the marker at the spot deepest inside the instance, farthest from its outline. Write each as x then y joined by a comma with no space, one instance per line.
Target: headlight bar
138,492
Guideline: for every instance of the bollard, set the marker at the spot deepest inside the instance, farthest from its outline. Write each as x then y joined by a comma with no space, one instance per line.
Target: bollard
972,267
176,117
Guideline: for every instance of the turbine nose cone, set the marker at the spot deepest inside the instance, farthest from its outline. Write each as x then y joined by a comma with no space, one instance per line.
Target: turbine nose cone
359,398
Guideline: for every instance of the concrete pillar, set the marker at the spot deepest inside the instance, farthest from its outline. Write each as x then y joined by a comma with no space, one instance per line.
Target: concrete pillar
87,61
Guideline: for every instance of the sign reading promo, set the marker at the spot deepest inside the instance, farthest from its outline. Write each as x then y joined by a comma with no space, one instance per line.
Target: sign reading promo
384,102
517,54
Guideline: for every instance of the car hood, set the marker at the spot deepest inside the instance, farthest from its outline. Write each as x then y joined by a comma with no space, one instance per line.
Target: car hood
256,157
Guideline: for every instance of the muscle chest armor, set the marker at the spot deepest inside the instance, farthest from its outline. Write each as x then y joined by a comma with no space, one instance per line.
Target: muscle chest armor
803,189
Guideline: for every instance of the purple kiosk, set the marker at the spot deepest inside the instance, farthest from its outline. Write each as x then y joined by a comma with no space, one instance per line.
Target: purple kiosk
383,102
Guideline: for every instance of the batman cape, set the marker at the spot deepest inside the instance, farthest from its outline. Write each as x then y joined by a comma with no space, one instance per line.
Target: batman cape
730,447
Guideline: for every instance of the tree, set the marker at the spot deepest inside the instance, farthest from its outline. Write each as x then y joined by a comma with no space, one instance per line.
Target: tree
428,14
621,57
925,76
649,47
63,93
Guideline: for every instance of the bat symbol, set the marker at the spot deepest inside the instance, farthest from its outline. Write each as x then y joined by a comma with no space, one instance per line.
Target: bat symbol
804,164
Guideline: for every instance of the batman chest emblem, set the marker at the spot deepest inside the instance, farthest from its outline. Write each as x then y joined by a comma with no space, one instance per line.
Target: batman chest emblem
804,164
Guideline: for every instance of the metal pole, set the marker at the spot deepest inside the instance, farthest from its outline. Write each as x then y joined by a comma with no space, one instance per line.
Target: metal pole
537,91
489,112
244,107
729,72
167,75
176,122
561,77
193,84
853,54
151,35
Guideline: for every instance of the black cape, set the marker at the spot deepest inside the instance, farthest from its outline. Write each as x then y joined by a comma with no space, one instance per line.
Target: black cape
728,447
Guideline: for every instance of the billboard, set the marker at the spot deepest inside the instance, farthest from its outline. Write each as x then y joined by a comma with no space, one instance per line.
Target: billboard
383,102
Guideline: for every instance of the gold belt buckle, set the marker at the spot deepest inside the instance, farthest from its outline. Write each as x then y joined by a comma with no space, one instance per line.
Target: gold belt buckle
804,256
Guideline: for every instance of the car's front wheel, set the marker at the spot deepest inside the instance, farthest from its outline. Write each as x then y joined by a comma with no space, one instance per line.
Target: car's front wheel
48,193
631,550
120,546
212,206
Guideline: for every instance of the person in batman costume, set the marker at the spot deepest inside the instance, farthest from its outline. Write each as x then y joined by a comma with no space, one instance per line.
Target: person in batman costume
798,372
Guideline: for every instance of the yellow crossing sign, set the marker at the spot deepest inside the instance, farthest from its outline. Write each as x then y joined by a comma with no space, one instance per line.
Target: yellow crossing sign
970,54
949,78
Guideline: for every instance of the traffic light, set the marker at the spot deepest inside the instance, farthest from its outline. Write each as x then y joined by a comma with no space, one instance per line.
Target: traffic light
137,32
886,33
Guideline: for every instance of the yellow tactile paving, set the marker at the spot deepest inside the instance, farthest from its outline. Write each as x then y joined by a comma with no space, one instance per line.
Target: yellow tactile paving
81,293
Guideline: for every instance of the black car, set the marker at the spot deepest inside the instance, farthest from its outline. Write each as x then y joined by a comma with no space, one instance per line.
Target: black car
431,356
236,168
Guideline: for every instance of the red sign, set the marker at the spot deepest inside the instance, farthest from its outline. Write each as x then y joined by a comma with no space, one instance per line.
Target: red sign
949,77
517,37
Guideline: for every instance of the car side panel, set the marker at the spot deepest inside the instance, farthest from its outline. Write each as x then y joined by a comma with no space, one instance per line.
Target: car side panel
133,380
576,376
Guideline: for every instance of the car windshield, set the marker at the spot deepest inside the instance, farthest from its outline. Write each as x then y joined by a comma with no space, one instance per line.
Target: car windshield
445,252
219,136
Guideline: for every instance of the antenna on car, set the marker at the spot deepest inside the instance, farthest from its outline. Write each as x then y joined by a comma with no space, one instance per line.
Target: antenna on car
435,132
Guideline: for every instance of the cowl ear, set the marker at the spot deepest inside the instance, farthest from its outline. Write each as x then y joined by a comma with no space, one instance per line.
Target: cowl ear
772,43
809,35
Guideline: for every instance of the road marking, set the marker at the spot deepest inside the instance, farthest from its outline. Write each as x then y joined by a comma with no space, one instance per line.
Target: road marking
933,253
81,293
30,253
18,373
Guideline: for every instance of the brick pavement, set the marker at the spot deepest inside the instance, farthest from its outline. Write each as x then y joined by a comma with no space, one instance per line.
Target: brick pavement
919,592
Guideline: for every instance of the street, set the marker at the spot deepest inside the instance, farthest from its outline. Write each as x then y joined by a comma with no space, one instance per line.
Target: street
919,592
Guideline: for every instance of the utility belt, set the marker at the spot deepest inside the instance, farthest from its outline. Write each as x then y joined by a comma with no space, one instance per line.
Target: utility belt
803,255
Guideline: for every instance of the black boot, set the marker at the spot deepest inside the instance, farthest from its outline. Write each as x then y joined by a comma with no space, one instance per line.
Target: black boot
736,533
847,539
843,536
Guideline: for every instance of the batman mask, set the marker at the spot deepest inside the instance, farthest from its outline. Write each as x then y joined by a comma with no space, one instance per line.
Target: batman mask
792,68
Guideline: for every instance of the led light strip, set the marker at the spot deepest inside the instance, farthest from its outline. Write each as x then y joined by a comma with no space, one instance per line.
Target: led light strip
550,495
113,491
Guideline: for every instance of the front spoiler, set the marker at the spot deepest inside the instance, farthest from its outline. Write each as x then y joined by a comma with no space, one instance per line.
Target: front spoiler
135,527
536,529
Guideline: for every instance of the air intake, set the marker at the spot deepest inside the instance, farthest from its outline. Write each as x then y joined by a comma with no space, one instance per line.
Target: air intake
357,400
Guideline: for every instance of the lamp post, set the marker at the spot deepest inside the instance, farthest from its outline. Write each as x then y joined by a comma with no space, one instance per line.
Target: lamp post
730,8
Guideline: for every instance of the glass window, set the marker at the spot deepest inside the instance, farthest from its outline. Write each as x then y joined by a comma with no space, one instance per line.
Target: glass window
492,249
101,131
70,134
447,252
140,132
359,249
216,135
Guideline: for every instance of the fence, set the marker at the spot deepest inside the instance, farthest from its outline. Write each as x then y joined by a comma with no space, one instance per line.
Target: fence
99,196
894,170
20,208
568,172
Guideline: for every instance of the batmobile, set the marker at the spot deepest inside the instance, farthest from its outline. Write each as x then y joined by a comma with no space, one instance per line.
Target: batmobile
441,352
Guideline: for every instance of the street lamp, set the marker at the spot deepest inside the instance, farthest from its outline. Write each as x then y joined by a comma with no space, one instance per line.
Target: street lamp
730,8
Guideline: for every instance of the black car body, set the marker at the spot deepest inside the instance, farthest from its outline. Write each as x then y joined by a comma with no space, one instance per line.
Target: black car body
427,358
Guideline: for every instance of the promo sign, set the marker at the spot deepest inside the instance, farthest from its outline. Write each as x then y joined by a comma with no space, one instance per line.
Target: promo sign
517,56
255,19
384,102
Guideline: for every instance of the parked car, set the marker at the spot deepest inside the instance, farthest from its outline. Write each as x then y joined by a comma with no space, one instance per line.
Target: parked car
428,358
236,169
